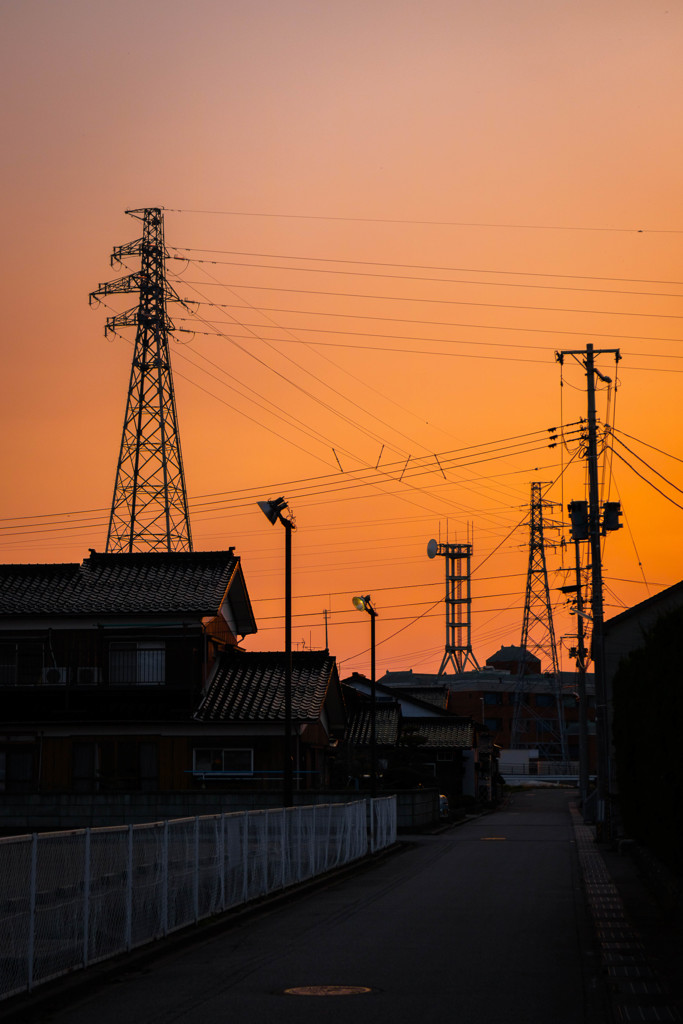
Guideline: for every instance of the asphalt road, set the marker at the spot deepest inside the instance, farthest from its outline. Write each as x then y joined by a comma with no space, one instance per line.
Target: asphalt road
483,923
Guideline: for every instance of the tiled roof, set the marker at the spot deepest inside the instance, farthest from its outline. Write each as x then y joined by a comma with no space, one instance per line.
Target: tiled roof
387,724
436,695
249,686
142,582
442,732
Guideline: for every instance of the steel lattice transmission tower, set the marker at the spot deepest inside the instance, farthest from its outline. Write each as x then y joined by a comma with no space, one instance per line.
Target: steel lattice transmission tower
538,637
149,510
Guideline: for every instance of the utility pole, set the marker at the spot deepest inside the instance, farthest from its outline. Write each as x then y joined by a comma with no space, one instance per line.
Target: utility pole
149,509
578,514
581,665
602,722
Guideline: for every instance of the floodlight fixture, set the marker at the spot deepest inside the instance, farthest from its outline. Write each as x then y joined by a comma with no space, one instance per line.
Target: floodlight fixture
363,604
273,509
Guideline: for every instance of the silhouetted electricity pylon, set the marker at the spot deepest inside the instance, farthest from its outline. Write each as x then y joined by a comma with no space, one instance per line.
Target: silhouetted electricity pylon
149,510
538,637
458,650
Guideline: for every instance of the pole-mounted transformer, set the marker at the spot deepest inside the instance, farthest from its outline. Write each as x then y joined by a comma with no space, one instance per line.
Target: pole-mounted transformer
611,513
578,517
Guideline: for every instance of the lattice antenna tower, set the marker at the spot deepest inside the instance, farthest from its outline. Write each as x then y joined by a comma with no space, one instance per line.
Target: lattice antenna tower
458,650
149,509
538,638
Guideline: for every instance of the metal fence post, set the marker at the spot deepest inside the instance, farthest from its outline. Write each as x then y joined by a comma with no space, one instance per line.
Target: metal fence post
245,858
32,911
129,891
165,881
221,854
285,846
86,898
195,887
372,825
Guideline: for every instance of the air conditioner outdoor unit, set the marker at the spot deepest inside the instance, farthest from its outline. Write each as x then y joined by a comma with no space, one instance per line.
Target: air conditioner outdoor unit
54,676
87,675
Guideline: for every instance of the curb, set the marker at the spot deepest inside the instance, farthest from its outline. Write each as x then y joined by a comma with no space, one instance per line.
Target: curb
636,991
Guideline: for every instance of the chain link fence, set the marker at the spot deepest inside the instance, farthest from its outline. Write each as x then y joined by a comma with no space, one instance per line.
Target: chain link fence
71,899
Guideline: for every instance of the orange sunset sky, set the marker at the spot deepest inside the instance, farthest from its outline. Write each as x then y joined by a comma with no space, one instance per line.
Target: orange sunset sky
389,216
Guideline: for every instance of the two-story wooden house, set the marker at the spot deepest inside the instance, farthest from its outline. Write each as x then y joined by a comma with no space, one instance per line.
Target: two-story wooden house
103,663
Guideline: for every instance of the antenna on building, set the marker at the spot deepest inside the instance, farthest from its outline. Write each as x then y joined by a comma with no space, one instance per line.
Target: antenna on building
538,639
458,649
149,509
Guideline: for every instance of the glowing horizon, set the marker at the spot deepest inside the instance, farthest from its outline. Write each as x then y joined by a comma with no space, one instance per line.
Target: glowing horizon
387,220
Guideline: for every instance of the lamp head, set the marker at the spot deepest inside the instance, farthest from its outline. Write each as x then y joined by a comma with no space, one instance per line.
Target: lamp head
363,604
272,510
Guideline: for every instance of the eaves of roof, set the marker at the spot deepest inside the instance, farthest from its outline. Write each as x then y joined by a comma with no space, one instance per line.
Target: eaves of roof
442,732
663,597
387,724
249,686
191,583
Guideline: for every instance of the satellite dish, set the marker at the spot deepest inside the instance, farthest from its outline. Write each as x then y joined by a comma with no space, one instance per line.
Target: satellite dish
432,548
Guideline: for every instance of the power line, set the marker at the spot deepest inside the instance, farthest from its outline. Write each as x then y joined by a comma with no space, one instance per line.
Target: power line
653,486
645,443
442,323
429,280
442,302
651,468
429,223
396,337
418,266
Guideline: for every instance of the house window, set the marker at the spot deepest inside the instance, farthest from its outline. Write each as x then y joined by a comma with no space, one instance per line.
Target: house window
84,763
544,700
516,698
444,755
493,724
17,768
114,766
493,698
137,663
21,664
225,760
8,664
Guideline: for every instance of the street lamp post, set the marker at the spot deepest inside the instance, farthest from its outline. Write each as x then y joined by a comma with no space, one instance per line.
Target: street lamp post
364,604
273,511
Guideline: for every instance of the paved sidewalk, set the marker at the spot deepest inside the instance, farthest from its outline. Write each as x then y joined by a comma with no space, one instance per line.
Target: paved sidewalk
640,944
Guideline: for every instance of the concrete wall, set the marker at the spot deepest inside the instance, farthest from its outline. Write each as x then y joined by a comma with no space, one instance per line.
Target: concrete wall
416,809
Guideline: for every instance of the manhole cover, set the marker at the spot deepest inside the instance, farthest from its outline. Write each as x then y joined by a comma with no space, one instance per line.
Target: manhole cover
327,990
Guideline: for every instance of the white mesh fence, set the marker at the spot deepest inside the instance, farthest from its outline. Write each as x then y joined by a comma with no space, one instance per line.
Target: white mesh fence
382,824
70,899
